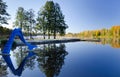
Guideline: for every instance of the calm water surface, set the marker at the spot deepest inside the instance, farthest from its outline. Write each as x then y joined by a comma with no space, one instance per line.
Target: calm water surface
76,59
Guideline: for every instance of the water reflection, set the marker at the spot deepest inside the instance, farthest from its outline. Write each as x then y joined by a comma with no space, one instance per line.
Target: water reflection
48,57
19,70
51,59
114,42
3,68
20,53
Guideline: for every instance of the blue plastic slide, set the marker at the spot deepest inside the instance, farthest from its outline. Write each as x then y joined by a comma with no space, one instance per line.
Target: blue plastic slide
8,45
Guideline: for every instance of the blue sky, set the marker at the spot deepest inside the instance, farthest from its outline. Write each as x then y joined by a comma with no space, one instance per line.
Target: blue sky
80,15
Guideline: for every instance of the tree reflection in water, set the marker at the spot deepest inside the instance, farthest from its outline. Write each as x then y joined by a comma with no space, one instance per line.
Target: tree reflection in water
51,58
20,53
19,70
3,68
23,60
113,42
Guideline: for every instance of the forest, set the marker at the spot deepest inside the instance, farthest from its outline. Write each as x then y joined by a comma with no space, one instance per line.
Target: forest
114,31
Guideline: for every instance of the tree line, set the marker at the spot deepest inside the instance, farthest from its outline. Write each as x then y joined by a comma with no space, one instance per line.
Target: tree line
5,31
50,20
4,16
114,31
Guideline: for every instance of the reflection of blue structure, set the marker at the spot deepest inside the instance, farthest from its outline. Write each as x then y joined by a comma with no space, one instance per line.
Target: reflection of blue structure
7,47
19,70
15,32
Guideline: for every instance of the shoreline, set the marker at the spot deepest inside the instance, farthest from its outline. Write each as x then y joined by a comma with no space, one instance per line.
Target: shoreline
36,42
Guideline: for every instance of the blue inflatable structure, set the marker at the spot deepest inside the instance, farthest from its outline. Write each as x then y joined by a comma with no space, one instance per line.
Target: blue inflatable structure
19,70
8,45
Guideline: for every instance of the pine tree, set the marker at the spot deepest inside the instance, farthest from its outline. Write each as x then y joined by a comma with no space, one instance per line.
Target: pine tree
3,13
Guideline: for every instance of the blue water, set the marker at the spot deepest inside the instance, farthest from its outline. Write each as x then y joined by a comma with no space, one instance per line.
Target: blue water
91,60
76,59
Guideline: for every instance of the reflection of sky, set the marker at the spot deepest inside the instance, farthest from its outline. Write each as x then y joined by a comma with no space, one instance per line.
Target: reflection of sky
79,14
83,59
91,60
13,59
27,72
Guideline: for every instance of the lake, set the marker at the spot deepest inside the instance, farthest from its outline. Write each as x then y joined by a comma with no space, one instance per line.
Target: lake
74,59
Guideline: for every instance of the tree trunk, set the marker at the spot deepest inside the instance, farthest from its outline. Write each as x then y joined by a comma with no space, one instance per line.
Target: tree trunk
29,32
48,35
54,34
44,35
55,27
21,25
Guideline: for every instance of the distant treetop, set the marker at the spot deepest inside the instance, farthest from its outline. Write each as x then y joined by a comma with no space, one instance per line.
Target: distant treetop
3,13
